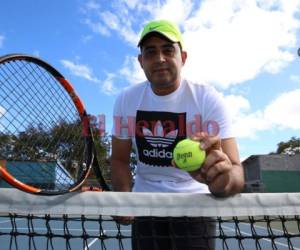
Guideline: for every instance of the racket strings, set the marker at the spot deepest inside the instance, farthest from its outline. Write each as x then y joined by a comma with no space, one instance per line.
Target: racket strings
20,91
42,127
53,89
15,108
60,95
20,114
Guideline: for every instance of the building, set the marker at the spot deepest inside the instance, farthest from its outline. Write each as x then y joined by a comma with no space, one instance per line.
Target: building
272,173
45,175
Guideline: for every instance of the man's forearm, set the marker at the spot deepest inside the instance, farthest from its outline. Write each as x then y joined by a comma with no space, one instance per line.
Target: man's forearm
236,182
121,176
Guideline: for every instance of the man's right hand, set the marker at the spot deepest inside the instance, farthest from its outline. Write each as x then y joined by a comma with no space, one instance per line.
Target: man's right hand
124,220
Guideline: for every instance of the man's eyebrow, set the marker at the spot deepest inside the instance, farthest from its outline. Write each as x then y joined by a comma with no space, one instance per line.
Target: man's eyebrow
166,45
148,47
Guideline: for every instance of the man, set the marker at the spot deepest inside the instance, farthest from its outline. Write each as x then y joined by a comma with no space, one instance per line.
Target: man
153,116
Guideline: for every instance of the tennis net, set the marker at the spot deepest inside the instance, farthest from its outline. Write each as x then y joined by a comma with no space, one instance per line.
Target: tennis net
87,220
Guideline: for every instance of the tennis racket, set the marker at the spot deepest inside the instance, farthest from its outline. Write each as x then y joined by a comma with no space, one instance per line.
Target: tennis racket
46,141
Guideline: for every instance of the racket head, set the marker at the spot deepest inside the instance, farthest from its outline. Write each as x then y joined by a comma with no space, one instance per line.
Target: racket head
97,167
45,141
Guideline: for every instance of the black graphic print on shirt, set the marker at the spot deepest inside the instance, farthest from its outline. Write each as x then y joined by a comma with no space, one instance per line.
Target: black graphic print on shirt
156,135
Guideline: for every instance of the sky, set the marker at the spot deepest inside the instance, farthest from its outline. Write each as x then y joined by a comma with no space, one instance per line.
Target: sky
246,49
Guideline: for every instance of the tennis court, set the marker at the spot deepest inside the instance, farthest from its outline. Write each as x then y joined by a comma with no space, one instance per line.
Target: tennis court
92,231
110,230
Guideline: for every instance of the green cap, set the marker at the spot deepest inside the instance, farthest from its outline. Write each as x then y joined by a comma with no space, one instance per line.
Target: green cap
163,27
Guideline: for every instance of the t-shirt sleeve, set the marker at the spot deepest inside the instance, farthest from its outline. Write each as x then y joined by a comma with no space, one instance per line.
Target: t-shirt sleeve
217,116
123,125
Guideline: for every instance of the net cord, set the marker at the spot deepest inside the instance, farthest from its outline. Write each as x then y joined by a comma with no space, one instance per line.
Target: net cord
149,204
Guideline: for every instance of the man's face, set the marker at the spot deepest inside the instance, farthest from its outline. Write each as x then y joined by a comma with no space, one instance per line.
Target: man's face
162,61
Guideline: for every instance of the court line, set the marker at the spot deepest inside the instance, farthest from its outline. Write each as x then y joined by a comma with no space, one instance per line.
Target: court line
264,228
62,229
90,244
5,221
276,242
95,240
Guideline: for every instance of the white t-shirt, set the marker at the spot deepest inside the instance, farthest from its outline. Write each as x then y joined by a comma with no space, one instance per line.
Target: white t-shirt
155,124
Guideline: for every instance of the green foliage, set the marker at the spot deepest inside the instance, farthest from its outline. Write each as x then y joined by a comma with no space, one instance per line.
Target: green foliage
40,143
102,148
290,147
133,162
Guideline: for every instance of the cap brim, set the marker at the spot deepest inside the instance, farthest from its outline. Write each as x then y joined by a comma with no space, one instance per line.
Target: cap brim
167,37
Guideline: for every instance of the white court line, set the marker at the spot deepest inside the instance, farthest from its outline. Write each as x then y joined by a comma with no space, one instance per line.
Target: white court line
261,227
72,229
94,240
52,229
276,242
90,244
61,229
5,221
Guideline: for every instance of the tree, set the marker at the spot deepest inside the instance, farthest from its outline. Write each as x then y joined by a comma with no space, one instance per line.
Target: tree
102,145
133,162
290,147
63,141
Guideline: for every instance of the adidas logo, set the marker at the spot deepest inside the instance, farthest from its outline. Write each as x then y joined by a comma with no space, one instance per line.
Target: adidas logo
159,140
156,153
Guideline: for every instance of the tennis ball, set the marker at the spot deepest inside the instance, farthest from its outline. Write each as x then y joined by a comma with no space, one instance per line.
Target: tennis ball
188,155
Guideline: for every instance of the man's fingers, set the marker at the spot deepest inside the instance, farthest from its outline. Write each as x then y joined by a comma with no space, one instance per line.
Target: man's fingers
219,185
207,142
198,176
216,163
219,168
124,220
211,143
173,164
212,158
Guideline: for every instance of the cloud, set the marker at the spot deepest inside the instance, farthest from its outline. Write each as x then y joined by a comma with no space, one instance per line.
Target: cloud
118,19
284,111
295,78
92,5
80,70
2,38
97,27
228,46
131,3
108,86
86,39
248,125
2,111
132,70
167,10
245,123
228,42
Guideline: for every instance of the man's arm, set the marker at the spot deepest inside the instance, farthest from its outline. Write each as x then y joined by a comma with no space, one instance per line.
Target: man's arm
222,170
229,147
226,174
120,165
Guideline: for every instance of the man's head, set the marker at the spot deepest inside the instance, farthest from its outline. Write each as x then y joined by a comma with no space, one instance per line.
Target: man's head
162,56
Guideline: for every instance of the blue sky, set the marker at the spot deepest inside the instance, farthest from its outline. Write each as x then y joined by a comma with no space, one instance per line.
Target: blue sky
247,49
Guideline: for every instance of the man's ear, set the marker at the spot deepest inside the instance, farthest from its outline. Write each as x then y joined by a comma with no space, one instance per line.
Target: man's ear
140,60
183,57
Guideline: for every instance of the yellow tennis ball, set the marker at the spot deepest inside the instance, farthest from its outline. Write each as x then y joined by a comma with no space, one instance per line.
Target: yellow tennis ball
188,155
